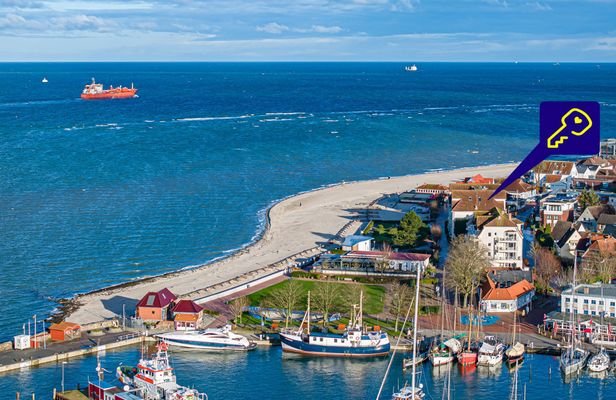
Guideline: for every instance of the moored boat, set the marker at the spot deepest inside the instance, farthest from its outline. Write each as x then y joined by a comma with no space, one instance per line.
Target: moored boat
491,351
215,339
440,354
411,68
95,91
515,354
356,341
573,359
409,393
599,362
155,380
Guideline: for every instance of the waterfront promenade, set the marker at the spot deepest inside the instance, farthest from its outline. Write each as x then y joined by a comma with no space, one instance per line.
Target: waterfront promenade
296,224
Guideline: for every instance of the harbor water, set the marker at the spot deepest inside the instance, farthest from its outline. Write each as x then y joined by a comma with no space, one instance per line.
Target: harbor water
267,373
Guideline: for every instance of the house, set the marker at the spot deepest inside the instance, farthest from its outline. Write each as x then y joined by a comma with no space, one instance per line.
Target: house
433,189
519,193
507,291
602,246
187,315
591,215
373,263
465,204
590,299
606,221
501,234
558,207
416,197
479,179
566,237
558,170
357,243
155,306
64,331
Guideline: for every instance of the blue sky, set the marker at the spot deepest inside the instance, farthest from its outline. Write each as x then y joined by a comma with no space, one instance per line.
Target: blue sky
308,30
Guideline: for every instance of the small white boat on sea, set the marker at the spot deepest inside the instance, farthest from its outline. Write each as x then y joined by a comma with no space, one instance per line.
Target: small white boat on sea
44,80
411,68
599,362
219,339
491,351
409,393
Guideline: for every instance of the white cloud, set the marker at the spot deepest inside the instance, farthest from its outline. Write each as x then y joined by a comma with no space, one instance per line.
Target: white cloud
273,28
539,6
325,29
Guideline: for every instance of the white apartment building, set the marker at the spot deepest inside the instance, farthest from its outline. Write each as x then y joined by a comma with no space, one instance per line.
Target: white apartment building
503,238
590,300
558,207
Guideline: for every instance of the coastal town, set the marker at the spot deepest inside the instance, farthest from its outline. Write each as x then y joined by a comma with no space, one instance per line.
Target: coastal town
339,271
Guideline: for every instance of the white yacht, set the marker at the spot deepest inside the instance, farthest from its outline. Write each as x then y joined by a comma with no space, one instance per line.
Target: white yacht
220,339
491,351
411,68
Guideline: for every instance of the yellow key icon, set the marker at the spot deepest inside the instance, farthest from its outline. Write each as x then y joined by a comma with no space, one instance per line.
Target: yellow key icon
575,122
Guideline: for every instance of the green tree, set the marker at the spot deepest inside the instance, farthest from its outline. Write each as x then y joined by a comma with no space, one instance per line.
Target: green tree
588,198
466,265
406,236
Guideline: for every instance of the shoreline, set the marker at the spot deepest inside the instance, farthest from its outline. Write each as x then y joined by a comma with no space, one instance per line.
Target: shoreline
82,308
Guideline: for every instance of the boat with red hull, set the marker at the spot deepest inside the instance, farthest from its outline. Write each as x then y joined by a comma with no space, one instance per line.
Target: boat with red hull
95,91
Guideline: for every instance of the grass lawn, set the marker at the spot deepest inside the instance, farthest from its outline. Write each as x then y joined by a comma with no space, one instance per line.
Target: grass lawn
373,295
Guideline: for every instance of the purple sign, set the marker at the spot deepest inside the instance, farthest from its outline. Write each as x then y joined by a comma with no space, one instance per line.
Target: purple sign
566,128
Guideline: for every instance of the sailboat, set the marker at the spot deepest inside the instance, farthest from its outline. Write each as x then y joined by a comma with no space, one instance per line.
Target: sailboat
413,392
572,360
599,362
468,357
444,352
491,351
515,353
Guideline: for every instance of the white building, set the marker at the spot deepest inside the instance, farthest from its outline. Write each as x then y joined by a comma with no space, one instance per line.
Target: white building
502,236
558,207
566,237
590,300
357,243
506,296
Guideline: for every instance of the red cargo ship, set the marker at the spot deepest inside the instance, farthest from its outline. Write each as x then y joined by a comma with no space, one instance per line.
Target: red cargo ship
95,91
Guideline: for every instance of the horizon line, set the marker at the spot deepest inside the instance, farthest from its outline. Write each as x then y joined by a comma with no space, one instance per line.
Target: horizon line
310,61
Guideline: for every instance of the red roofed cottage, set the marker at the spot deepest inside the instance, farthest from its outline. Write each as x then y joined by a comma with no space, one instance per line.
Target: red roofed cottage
187,315
155,306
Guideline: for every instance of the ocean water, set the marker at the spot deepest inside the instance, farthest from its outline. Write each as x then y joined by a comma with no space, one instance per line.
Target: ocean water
97,193
267,373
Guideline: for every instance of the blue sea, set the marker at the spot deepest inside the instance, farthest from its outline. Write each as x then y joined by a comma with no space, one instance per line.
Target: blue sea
101,192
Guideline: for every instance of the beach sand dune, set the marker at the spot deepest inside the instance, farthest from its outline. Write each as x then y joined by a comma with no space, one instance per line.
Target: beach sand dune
298,223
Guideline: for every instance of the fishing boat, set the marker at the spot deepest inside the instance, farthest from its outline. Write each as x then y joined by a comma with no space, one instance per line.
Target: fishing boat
356,341
491,351
95,91
599,362
411,68
155,380
216,339
515,353
573,359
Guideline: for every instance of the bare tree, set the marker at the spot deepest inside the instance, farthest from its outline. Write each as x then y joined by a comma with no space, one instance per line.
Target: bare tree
327,297
602,267
237,306
400,297
381,263
286,298
547,266
466,265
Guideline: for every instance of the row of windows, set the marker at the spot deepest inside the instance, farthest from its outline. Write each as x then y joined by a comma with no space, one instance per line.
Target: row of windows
586,312
600,302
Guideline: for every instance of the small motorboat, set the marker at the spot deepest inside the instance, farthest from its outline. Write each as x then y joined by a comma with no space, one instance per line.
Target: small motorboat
599,362
491,352
412,68
419,358
44,80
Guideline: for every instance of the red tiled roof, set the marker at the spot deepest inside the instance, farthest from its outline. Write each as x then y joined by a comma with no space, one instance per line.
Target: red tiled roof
476,200
553,178
187,306
159,299
65,326
511,293
480,179
549,167
606,246
391,256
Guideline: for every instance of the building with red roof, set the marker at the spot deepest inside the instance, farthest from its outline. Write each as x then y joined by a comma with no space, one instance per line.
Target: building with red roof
505,293
187,315
155,306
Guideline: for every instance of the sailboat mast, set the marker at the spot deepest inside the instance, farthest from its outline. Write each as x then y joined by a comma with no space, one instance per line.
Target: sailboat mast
470,324
308,315
415,319
361,310
571,312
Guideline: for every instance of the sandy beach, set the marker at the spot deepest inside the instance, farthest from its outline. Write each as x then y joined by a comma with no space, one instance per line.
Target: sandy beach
298,223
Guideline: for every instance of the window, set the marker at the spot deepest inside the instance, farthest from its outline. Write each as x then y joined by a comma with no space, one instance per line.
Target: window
586,312
335,340
593,313
567,299
321,339
600,302
612,303
593,302
585,301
